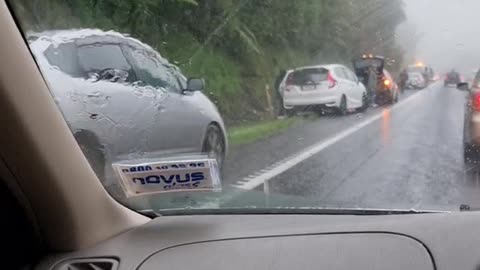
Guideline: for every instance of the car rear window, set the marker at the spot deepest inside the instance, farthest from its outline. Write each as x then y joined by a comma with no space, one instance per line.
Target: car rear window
83,60
65,58
309,76
100,57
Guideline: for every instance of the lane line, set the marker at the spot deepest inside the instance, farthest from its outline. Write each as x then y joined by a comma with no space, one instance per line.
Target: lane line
258,178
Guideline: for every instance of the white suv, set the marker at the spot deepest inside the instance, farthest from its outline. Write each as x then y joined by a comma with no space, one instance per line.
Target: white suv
325,86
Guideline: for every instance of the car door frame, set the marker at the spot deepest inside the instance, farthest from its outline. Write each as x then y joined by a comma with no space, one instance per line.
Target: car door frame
193,103
119,143
345,83
168,133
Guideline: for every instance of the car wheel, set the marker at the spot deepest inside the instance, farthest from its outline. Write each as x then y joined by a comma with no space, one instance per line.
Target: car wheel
391,97
214,145
342,108
396,98
471,153
291,112
364,106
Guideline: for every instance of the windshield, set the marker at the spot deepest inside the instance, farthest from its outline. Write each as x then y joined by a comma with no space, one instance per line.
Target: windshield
216,105
414,75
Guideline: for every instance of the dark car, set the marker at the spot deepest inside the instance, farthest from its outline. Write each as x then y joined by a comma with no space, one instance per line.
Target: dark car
387,90
380,84
471,127
369,70
452,77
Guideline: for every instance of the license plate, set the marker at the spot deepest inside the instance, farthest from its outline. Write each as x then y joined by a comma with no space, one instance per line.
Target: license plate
308,87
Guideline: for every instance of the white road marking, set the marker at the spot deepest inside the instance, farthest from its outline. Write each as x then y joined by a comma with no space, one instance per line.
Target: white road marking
256,179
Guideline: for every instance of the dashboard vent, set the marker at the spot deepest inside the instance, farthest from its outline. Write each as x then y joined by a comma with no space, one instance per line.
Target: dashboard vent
89,264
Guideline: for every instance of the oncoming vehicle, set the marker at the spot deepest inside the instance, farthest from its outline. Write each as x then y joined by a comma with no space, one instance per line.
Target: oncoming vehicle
123,100
471,125
325,87
416,81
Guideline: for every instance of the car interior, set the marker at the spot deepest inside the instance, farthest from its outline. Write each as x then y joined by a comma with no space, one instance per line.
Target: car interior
57,215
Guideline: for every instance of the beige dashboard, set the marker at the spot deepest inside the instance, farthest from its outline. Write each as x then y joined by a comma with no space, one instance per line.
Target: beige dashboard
300,242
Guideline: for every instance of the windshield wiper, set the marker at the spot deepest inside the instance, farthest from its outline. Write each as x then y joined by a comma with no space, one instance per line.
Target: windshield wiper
467,208
292,211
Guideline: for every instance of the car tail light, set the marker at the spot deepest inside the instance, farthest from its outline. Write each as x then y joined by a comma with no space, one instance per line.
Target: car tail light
331,81
289,82
476,101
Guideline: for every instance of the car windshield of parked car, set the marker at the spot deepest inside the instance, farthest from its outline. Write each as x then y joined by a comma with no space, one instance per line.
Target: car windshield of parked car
101,57
268,106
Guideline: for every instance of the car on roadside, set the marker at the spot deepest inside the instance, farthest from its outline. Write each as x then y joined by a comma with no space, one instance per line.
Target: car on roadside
425,70
471,124
124,101
388,91
381,87
416,81
325,87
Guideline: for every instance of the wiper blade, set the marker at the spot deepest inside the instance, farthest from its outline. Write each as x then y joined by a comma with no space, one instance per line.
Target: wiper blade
291,210
468,208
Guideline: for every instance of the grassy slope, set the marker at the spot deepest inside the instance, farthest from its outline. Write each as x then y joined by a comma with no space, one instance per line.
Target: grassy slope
238,88
251,132
239,94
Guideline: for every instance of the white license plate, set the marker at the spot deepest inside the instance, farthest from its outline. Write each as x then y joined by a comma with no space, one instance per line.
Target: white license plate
308,87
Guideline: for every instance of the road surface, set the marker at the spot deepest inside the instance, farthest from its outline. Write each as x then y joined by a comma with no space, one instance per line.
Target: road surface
407,156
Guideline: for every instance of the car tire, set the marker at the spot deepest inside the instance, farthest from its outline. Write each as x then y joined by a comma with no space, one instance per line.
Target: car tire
291,112
342,108
214,145
471,153
365,104
391,97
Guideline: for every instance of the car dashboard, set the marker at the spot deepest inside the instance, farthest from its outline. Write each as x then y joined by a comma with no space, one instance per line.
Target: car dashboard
301,242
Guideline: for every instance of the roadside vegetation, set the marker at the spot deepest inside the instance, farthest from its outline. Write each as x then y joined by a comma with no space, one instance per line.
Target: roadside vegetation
247,133
238,46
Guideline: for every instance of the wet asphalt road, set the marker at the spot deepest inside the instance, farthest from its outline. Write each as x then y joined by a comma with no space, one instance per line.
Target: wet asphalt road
406,156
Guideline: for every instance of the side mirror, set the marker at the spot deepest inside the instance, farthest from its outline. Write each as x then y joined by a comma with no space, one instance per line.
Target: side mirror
462,86
195,84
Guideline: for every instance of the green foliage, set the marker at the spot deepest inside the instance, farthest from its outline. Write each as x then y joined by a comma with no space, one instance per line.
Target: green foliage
237,45
247,133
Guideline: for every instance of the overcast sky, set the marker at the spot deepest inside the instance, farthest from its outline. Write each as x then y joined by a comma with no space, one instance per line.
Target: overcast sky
448,32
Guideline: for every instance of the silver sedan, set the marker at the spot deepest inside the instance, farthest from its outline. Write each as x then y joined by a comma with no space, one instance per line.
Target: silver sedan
124,101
